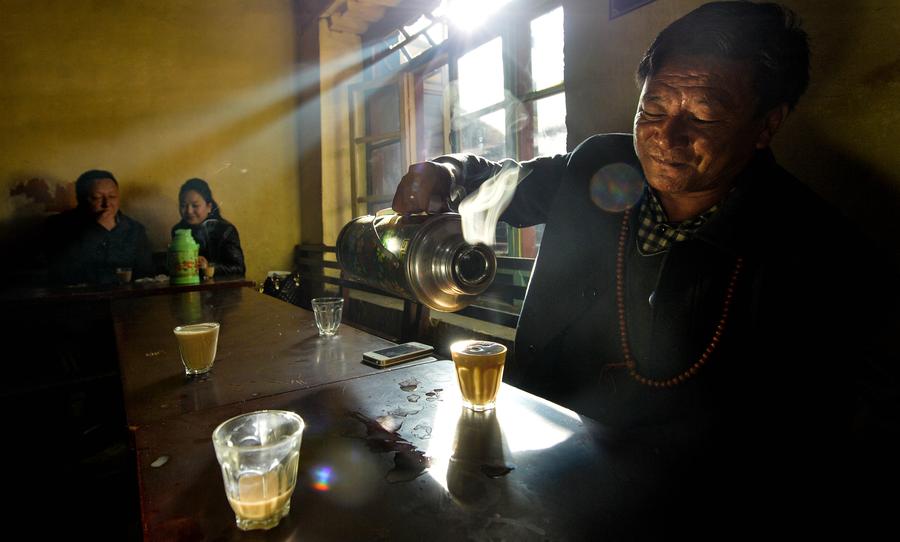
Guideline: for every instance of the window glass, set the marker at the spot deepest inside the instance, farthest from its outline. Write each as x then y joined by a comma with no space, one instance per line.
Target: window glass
468,14
430,142
547,50
383,167
550,125
438,33
417,46
484,135
481,77
387,65
420,24
394,38
383,110
501,240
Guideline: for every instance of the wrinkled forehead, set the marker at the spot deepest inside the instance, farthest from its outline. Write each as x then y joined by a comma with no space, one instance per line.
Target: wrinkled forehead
708,79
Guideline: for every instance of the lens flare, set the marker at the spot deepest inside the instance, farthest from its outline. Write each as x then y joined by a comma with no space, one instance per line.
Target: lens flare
616,187
323,478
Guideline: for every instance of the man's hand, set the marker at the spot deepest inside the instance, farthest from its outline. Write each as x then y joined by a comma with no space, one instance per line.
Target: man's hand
425,187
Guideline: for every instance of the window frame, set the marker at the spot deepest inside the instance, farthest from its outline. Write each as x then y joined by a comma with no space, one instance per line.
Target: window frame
362,142
513,26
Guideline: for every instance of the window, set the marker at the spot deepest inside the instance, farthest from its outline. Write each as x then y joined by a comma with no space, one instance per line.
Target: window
379,157
480,114
433,88
406,43
549,110
431,129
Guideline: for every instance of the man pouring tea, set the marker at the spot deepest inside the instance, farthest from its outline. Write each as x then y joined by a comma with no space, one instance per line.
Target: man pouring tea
724,314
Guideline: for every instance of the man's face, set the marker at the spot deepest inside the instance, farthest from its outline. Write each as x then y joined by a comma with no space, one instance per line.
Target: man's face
104,199
695,127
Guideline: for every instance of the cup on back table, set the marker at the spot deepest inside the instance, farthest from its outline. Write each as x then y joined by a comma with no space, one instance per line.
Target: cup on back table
123,274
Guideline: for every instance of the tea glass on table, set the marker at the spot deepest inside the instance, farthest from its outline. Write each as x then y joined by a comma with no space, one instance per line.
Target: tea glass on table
327,311
479,371
209,271
123,274
197,345
259,455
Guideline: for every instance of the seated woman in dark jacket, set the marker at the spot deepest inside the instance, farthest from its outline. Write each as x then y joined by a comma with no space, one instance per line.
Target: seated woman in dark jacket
220,245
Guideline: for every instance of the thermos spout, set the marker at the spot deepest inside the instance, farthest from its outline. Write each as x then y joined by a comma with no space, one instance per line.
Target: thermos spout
469,271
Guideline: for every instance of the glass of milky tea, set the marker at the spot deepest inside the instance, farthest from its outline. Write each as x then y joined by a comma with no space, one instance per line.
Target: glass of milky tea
197,345
259,454
479,370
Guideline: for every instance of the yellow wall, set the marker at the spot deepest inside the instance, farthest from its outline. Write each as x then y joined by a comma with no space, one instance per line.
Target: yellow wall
156,92
842,140
341,62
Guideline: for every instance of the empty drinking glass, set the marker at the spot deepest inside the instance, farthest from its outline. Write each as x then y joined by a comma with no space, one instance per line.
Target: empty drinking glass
328,311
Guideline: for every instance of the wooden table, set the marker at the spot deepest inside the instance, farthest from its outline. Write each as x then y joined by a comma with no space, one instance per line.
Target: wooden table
63,337
407,462
266,347
62,372
67,294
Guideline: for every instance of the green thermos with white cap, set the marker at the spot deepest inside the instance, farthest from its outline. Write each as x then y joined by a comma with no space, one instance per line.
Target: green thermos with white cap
182,259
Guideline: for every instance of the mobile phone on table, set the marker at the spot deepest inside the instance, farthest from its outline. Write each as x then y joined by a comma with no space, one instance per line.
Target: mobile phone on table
392,355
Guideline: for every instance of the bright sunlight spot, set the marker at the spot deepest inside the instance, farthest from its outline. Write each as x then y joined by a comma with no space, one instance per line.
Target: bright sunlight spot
468,14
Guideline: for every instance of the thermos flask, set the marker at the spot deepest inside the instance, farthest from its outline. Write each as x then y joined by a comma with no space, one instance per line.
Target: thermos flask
182,259
423,258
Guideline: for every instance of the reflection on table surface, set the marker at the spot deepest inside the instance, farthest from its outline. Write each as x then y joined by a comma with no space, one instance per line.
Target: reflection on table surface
394,456
45,294
265,347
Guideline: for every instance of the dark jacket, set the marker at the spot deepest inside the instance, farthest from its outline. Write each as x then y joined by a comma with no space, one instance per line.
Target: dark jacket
798,363
219,244
80,251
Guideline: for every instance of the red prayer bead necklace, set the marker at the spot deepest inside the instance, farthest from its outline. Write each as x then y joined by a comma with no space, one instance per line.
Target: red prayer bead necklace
630,362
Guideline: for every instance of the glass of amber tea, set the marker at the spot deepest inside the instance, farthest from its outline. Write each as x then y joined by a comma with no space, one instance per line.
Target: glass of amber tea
479,371
197,345
259,455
